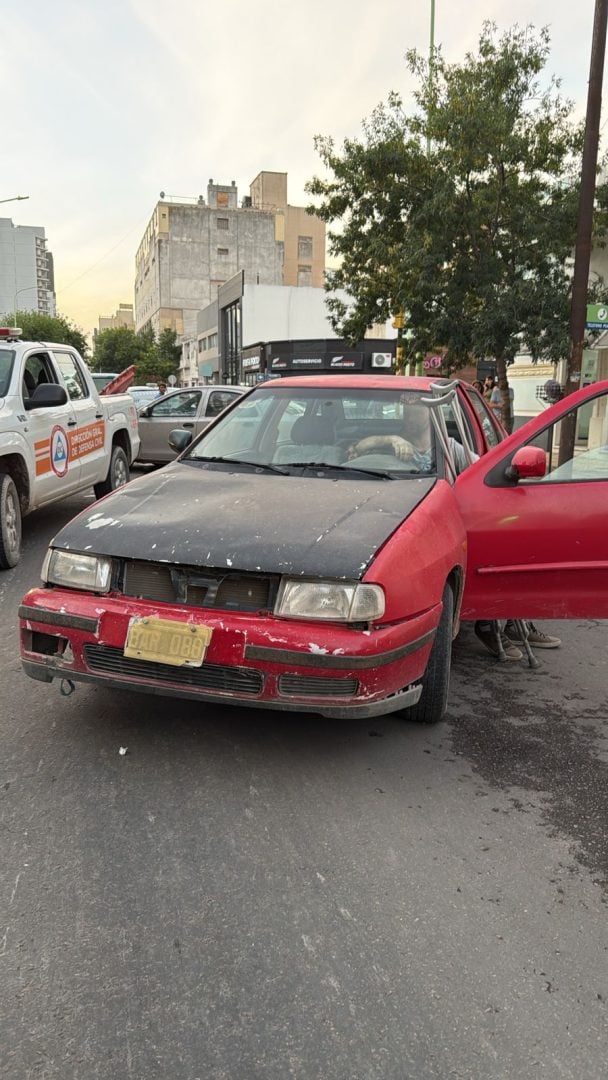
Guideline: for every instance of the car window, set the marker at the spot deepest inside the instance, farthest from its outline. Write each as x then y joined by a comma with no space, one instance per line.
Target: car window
37,370
185,404
491,432
7,357
589,459
218,401
72,376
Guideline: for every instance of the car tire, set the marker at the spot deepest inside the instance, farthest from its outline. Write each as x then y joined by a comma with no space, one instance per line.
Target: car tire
10,523
118,473
433,702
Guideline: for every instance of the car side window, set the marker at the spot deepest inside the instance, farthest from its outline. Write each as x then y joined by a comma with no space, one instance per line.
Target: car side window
36,371
488,425
185,404
589,459
72,376
218,401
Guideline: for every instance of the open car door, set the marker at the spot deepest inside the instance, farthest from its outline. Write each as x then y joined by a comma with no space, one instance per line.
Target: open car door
538,531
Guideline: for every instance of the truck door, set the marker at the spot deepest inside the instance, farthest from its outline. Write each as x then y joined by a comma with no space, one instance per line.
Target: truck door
537,545
87,434
48,432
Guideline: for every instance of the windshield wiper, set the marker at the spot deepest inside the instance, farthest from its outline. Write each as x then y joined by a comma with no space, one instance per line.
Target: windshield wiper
342,468
242,461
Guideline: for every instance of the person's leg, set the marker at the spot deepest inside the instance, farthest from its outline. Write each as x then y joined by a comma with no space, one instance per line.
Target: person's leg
537,638
487,632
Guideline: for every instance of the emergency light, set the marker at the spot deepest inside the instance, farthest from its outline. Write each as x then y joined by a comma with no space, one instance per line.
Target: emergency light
10,333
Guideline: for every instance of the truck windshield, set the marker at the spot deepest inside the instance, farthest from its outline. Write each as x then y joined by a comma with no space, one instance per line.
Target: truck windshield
7,357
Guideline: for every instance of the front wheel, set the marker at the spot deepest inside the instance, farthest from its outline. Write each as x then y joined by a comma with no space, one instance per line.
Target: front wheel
118,473
433,702
10,523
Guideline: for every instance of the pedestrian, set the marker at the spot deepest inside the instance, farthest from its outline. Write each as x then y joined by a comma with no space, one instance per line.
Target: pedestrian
162,388
488,386
496,401
478,385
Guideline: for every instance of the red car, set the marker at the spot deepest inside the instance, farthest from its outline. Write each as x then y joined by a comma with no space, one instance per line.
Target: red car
315,547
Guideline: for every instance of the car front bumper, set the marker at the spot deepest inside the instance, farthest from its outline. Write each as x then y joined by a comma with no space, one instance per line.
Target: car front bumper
255,661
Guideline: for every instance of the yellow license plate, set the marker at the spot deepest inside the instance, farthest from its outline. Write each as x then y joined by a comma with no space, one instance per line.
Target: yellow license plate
167,642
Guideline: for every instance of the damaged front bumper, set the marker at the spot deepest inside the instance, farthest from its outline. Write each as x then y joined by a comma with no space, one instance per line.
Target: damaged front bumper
253,660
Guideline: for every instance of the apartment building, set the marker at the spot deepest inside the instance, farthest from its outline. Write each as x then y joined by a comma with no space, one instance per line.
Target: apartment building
27,281
190,249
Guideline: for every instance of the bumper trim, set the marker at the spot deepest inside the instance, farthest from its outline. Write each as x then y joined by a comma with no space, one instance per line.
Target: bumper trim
58,618
46,672
329,660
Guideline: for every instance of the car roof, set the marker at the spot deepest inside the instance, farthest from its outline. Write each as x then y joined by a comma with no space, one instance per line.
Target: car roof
352,382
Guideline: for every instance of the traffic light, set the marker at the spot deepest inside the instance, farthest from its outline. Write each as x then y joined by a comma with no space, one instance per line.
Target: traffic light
399,321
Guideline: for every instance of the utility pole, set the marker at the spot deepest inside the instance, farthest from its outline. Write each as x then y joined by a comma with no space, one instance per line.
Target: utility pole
582,253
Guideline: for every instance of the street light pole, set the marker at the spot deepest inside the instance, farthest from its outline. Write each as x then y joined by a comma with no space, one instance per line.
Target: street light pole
28,288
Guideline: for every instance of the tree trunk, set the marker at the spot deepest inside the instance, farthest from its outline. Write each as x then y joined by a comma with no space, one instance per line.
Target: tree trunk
503,386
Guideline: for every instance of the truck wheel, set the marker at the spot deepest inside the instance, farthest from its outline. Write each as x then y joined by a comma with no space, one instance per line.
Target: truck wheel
10,523
118,473
433,703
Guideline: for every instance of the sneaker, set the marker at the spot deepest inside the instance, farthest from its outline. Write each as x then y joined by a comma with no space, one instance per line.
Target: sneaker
487,637
536,638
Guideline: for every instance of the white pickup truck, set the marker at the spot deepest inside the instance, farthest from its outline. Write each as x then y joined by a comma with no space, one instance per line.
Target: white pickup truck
57,435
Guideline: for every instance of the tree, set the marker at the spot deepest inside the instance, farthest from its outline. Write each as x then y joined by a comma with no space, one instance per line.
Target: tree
57,328
119,348
472,236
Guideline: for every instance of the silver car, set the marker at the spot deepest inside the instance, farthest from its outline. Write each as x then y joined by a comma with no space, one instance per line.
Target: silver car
193,409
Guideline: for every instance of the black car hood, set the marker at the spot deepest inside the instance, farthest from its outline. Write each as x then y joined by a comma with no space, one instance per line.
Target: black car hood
306,525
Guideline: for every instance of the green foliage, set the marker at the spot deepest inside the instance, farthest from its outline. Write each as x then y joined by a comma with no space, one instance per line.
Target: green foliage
463,211
118,348
54,328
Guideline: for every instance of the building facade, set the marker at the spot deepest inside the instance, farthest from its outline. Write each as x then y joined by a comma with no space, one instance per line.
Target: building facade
124,316
191,249
255,331
27,280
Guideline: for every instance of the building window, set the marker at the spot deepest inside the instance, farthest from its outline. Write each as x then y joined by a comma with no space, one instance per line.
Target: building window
304,275
202,344
222,223
223,253
304,247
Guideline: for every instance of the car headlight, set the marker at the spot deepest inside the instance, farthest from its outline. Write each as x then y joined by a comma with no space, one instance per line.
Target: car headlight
90,572
342,602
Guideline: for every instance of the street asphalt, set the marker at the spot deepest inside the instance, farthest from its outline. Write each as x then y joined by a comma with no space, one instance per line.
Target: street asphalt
249,895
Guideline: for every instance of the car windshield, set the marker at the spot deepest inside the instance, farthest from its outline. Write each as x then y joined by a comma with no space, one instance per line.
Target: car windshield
6,366
144,396
361,428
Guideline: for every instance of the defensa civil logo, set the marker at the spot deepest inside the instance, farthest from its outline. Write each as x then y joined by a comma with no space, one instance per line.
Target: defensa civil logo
60,454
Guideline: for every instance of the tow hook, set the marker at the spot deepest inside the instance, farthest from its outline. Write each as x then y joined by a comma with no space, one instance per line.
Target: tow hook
66,687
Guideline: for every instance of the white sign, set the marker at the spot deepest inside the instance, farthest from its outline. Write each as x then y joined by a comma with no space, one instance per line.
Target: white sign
172,380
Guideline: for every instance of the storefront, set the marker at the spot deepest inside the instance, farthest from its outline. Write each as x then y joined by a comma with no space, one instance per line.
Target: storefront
279,359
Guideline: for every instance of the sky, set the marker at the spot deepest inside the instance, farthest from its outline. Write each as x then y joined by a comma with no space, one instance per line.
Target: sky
105,105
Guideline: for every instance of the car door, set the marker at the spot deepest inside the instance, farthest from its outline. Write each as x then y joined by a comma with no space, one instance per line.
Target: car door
87,435
157,421
537,546
48,431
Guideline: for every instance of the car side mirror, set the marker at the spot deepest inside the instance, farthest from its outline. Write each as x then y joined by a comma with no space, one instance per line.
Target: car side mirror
179,439
145,411
46,396
527,463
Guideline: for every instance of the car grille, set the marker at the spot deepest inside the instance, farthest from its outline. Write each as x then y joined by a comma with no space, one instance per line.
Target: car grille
315,686
230,680
199,587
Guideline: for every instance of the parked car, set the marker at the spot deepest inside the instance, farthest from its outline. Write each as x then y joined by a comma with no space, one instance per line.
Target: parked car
314,549
193,408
